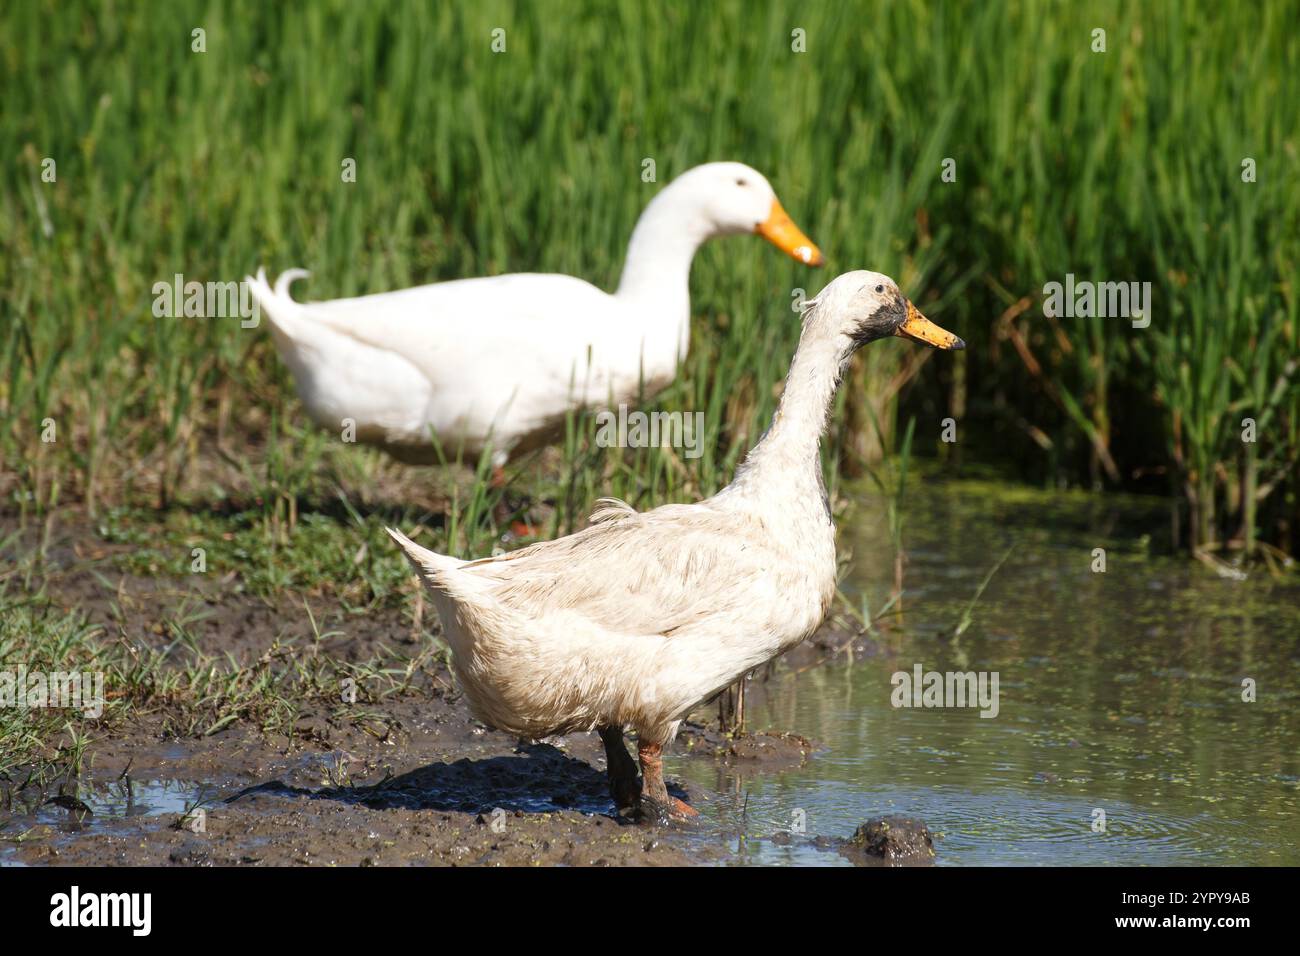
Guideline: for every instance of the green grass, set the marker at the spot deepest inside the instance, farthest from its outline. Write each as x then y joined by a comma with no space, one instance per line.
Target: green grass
190,691
1118,166
45,641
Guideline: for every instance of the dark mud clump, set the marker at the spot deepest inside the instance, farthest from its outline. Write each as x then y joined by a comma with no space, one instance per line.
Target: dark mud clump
893,840
768,750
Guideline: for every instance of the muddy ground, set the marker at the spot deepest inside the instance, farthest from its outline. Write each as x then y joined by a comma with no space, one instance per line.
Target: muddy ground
415,780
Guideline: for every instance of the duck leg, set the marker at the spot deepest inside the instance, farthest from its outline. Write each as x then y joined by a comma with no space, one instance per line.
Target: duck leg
503,514
623,785
655,801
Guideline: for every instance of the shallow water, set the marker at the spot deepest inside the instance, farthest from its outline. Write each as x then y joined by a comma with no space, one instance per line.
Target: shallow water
1118,692
123,798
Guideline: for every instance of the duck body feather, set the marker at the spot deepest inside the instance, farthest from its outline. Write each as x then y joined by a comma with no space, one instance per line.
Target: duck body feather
636,619
403,364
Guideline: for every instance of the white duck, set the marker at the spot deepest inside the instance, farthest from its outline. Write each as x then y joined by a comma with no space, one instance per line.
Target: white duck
502,359
635,620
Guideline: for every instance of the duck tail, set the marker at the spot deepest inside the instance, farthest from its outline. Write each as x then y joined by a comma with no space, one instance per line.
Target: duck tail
430,565
611,509
276,302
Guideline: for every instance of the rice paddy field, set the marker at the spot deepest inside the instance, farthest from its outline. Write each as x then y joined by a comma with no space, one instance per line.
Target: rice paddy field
170,517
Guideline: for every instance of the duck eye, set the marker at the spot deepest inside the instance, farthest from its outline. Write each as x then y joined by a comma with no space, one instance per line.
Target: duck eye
742,182
880,288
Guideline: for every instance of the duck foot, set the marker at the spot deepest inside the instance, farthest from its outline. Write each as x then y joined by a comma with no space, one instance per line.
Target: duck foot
664,814
683,810
656,805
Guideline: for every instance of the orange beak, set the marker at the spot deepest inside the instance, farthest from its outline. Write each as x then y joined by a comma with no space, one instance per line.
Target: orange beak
920,329
779,229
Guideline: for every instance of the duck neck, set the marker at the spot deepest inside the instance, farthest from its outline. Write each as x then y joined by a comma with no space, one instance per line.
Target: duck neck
658,268
791,446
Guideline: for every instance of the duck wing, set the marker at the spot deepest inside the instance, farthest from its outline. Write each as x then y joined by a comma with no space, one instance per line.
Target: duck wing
661,572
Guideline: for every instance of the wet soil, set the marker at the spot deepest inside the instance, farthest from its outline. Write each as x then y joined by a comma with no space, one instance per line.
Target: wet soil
441,792
434,787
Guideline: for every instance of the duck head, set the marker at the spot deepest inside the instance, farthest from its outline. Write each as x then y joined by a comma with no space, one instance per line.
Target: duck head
734,198
861,307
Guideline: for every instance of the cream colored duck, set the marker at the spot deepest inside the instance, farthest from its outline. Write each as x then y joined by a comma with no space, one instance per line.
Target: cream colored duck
502,359
635,620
